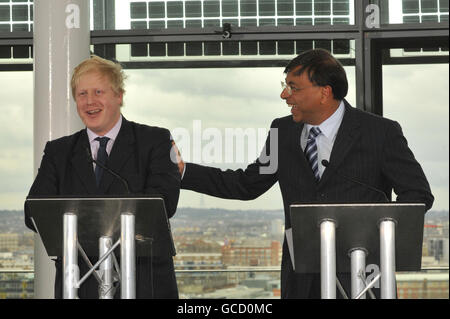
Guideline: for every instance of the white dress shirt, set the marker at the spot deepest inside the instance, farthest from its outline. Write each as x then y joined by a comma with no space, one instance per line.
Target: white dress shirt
325,140
112,134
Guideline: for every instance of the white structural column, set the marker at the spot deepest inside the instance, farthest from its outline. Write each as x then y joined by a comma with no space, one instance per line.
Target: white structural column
61,41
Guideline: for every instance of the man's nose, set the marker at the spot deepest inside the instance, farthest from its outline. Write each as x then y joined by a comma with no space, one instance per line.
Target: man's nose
89,98
284,94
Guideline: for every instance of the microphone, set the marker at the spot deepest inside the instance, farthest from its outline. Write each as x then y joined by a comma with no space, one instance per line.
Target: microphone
326,164
92,160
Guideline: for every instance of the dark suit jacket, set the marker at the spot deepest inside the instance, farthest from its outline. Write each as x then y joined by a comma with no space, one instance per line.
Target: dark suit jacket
368,148
141,155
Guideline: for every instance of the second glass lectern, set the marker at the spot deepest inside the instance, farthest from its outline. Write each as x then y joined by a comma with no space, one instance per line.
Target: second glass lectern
343,238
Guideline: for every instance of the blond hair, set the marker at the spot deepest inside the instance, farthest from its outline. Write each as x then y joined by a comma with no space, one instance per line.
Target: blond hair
113,71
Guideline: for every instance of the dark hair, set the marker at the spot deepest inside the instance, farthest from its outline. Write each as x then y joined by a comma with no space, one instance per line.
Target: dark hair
323,69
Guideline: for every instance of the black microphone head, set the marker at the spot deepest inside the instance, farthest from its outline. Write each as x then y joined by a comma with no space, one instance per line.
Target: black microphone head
325,163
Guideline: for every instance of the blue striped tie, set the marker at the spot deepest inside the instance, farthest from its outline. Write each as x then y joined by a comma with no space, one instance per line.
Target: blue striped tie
102,157
311,151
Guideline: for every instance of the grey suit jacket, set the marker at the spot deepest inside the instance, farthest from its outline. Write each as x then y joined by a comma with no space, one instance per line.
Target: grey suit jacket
368,148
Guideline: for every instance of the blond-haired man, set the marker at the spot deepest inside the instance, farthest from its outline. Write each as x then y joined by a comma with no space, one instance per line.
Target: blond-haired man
138,153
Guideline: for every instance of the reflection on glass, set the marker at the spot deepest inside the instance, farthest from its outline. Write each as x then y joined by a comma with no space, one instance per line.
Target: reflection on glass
303,7
429,5
156,10
322,7
174,9
211,8
266,7
285,7
248,8
410,6
138,10
193,9
341,7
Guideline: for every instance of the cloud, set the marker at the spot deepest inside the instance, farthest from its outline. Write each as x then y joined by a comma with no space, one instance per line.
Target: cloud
16,138
180,97
16,109
223,82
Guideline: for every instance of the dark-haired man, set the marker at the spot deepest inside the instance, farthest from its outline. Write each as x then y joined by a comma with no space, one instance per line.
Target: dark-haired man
323,126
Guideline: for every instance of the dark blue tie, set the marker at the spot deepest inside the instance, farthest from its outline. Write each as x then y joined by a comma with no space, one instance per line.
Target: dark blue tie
311,151
102,157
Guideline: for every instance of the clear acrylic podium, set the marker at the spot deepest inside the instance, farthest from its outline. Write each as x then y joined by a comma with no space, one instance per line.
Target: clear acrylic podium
96,226
343,238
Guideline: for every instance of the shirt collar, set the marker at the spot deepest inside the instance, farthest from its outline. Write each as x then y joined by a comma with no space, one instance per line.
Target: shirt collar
330,126
112,134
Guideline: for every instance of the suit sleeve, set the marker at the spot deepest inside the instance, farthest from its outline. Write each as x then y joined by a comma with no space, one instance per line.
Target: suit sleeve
403,171
164,177
239,184
45,183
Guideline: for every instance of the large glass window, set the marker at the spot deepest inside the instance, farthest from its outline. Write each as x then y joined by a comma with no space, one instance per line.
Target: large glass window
415,11
421,106
16,175
242,13
16,15
239,12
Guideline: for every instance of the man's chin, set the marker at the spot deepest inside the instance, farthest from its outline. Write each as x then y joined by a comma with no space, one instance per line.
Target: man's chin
93,127
296,118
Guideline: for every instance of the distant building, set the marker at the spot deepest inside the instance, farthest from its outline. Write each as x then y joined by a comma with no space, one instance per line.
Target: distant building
252,254
186,244
16,286
9,242
436,247
190,277
195,261
422,285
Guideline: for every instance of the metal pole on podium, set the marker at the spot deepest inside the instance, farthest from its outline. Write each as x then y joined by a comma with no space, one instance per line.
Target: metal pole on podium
106,289
386,234
328,258
70,261
128,256
358,271
387,259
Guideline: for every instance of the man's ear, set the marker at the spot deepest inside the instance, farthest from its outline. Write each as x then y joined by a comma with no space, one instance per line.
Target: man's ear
327,92
120,96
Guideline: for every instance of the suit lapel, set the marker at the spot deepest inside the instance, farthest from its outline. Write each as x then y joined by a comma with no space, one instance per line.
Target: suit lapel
81,164
297,129
120,153
347,134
